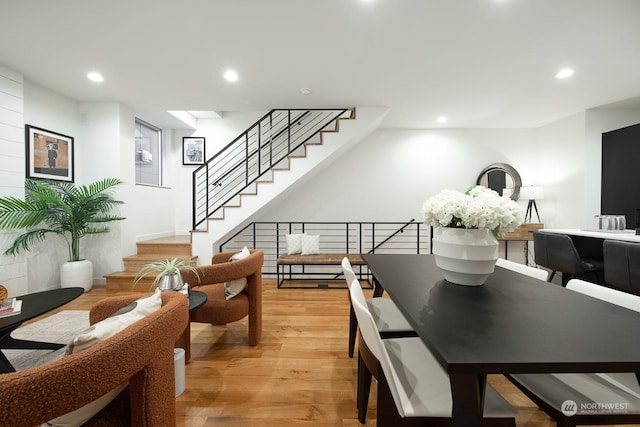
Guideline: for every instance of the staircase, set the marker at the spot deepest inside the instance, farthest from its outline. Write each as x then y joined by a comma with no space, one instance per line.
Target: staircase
149,251
229,198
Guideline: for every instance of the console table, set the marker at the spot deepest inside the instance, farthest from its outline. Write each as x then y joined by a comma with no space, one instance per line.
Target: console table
524,233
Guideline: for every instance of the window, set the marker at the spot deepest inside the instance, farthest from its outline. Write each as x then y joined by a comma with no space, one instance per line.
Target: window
148,153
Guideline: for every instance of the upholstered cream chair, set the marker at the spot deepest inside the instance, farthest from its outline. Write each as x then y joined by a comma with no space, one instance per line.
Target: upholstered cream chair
412,385
390,322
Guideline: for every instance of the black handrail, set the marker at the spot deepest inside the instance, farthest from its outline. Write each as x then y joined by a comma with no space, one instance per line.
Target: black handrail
398,231
335,237
216,182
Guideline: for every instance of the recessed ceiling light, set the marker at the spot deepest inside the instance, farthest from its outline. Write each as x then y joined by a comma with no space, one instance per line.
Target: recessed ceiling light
564,73
441,119
95,77
305,91
231,76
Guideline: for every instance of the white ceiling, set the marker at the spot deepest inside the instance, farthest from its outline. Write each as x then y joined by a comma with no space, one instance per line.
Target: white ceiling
482,63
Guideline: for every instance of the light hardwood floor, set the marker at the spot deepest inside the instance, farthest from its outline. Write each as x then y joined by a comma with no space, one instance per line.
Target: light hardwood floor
298,375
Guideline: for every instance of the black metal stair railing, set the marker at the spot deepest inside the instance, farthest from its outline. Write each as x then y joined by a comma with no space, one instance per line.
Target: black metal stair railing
411,237
255,152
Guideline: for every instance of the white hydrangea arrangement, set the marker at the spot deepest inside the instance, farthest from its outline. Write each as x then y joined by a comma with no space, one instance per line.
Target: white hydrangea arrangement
478,208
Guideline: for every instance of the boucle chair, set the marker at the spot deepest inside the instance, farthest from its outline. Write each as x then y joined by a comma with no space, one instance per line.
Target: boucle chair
141,354
220,311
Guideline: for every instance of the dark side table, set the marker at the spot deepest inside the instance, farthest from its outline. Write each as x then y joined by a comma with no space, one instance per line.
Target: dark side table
196,299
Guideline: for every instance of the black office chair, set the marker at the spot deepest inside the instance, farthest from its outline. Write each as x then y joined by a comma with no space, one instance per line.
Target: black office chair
558,253
622,265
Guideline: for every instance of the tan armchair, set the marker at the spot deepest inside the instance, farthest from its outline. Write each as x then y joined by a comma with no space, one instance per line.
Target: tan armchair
141,354
219,311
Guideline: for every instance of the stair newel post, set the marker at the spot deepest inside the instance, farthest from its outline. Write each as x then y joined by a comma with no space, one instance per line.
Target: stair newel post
288,131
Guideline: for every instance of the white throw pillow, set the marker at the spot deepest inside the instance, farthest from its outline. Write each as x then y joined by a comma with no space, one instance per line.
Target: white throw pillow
114,324
294,242
310,245
234,287
92,336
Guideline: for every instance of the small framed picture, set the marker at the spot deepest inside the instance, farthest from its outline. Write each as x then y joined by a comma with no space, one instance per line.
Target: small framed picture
193,150
49,154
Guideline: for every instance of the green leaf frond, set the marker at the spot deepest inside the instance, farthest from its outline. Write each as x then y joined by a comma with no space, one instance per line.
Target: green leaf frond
16,213
26,240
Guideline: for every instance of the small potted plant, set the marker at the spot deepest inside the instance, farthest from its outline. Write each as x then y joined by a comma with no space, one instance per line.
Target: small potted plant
167,271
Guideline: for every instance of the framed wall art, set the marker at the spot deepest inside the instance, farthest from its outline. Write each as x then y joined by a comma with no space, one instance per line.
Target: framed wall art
193,150
49,154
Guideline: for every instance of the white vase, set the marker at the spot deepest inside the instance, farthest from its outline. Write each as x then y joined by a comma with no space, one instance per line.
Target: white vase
77,274
465,257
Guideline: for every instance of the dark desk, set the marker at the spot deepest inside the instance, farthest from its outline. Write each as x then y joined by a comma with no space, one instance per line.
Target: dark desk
33,305
511,324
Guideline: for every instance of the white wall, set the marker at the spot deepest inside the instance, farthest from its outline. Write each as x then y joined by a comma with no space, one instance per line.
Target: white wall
13,269
389,175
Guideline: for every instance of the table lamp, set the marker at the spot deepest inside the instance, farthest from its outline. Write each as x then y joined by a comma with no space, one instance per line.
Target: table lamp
531,193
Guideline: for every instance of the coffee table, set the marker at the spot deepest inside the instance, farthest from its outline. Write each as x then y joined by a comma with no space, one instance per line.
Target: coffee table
33,305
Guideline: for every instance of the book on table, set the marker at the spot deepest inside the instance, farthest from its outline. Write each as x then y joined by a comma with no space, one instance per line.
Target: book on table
10,307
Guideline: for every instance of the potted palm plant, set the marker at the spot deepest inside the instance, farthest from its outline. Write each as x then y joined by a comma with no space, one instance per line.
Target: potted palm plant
167,271
64,209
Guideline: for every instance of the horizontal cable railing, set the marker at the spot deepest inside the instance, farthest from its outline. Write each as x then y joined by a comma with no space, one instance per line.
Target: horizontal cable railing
255,152
335,237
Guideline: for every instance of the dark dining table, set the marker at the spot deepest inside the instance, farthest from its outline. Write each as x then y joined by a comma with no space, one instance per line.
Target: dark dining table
33,305
511,324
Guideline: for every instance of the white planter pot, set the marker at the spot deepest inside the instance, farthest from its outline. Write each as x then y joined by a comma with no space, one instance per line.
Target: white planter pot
77,274
465,257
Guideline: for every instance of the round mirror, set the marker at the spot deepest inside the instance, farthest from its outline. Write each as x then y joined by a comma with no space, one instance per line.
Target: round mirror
501,178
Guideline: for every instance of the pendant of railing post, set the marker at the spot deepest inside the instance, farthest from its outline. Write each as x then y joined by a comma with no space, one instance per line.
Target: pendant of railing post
418,238
289,131
246,156
373,235
270,141
195,202
254,234
207,191
259,147
346,237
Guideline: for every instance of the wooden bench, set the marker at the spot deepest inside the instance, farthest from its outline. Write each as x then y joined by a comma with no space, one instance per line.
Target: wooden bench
315,260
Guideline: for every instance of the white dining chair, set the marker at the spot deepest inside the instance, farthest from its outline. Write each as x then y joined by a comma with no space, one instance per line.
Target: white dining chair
390,322
411,382
528,270
551,391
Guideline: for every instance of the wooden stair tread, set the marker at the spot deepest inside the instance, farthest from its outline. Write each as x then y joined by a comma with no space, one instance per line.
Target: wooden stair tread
152,257
149,251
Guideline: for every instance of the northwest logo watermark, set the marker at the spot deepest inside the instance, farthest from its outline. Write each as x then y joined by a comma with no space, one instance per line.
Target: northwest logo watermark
570,408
